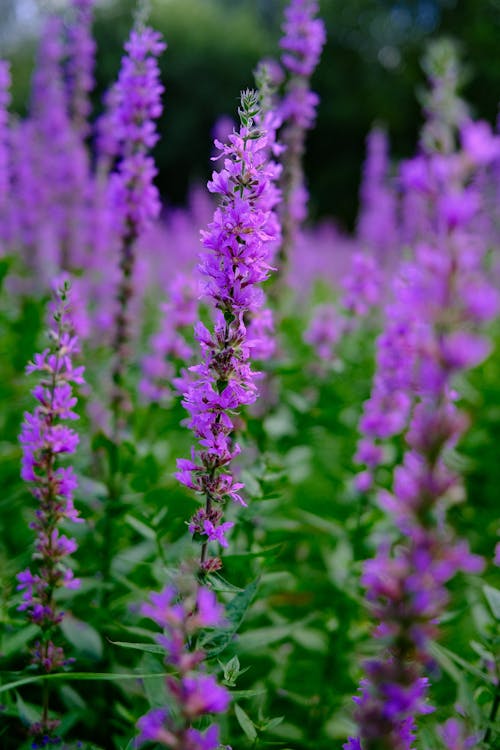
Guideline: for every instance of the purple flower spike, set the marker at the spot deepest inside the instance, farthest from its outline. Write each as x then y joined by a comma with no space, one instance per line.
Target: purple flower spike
236,260
44,438
192,691
433,333
303,40
4,158
304,37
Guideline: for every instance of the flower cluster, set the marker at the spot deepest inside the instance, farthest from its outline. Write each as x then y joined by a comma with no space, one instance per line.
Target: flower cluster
169,343
45,438
377,223
443,298
80,64
4,103
304,37
135,104
302,42
236,260
195,693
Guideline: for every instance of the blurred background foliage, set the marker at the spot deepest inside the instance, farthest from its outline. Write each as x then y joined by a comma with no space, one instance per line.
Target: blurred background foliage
369,72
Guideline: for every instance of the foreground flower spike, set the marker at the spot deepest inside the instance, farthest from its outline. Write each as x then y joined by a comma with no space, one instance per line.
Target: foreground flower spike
238,244
136,103
303,40
45,438
194,693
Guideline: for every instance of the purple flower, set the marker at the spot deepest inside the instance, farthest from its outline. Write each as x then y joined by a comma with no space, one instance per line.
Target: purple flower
80,63
202,695
207,741
152,728
302,42
432,333
304,37
237,246
479,143
44,438
136,103
376,227
497,555
454,736
193,692
4,137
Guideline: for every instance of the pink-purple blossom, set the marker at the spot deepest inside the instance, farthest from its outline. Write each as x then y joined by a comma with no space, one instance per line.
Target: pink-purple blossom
45,439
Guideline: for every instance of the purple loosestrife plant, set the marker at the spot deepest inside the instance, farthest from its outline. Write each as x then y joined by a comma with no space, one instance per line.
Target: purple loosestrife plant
80,64
134,201
193,692
45,438
376,225
446,298
169,345
136,104
236,260
4,151
302,42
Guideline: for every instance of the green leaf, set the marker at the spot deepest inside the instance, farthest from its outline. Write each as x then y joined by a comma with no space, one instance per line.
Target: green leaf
143,529
256,639
493,598
252,485
93,676
27,713
217,640
150,648
272,723
445,658
11,644
237,694
85,639
245,723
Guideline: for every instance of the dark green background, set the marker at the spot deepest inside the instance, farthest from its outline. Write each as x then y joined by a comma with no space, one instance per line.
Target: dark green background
369,72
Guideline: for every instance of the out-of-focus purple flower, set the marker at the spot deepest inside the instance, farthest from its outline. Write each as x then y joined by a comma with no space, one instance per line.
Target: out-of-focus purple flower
304,37
479,143
207,741
169,346
133,197
362,286
136,104
497,555
194,692
80,64
152,728
325,331
455,737
4,137
376,227
203,695
432,334
302,42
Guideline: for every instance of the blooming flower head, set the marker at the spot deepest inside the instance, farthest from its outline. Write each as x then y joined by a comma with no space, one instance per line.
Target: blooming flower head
192,691
44,438
304,37
236,260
